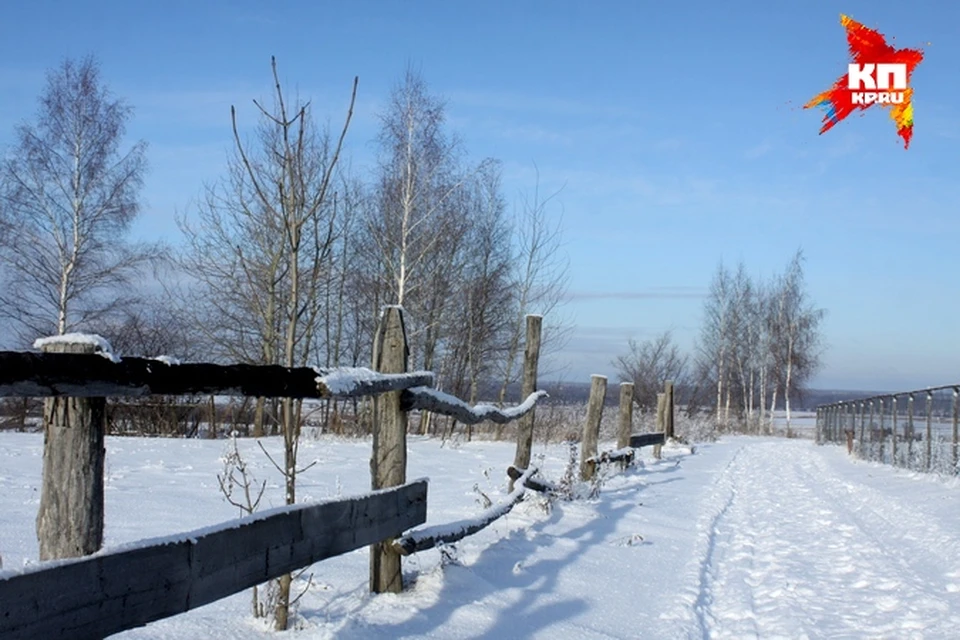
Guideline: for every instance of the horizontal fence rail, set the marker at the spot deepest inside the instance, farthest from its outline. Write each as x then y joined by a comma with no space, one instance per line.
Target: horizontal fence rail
647,439
78,375
917,430
428,399
111,591
116,590
430,537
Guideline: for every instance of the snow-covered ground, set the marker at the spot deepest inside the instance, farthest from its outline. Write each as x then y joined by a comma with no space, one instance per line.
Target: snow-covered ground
744,538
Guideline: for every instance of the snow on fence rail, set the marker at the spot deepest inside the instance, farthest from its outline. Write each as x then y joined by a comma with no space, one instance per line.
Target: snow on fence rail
102,593
105,595
78,375
884,428
430,537
128,587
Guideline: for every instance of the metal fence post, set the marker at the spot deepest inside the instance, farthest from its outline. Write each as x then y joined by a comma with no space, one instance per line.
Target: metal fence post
908,432
863,428
880,429
893,432
929,449
956,432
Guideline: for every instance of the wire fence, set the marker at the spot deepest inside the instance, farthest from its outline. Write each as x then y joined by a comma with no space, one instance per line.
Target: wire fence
916,430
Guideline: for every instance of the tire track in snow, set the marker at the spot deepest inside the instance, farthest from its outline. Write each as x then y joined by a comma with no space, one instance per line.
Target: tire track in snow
727,488
933,551
788,548
697,598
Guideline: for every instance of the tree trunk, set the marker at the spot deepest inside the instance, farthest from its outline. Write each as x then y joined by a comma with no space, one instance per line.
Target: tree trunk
720,374
70,519
786,390
763,397
726,410
773,408
212,428
258,412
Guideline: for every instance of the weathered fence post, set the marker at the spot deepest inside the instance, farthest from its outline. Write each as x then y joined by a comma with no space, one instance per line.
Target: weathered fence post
70,519
660,427
591,429
388,463
625,417
531,360
669,410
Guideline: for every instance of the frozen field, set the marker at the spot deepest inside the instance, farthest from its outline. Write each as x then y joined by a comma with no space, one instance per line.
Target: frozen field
744,538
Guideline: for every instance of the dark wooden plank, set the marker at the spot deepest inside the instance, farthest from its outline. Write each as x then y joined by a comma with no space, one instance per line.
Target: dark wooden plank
531,483
646,439
94,376
100,595
620,455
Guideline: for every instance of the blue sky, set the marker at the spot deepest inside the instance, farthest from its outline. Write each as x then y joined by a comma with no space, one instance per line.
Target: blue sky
675,130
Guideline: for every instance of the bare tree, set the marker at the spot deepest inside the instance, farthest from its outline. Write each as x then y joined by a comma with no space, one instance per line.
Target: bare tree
482,311
264,246
648,365
540,281
69,193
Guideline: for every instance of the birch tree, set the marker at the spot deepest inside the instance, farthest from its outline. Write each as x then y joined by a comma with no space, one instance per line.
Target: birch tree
70,192
796,338
416,179
716,335
418,223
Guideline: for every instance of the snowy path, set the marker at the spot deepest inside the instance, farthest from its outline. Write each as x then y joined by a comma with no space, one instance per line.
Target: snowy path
796,541
746,538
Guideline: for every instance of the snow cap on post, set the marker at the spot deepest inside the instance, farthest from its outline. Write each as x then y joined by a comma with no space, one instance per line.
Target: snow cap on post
100,344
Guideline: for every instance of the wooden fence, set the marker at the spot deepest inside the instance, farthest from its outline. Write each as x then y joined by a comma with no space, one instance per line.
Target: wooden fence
114,590
891,428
